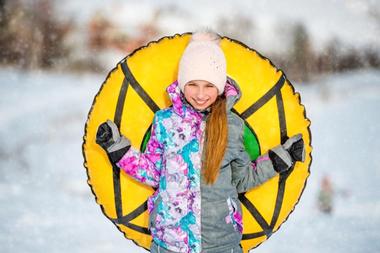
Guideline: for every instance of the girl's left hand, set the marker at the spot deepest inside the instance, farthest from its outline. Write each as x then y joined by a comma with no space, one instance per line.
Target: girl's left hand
284,156
296,148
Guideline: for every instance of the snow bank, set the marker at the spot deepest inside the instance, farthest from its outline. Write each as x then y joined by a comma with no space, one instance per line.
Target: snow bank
46,204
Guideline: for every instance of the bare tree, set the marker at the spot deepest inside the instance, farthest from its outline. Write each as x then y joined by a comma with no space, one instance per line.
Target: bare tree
31,36
301,53
374,13
236,26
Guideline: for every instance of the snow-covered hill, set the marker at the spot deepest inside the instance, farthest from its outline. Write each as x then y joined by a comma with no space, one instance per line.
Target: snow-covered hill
46,204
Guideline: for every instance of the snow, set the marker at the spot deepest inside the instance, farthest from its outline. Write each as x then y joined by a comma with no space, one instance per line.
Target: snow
46,204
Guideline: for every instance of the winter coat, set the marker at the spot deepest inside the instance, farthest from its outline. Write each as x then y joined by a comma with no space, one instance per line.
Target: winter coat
186,214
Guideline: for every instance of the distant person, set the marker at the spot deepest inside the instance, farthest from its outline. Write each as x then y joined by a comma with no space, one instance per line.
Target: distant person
196,158
325,196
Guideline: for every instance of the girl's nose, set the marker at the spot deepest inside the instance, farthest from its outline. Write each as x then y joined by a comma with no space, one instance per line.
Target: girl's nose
201,93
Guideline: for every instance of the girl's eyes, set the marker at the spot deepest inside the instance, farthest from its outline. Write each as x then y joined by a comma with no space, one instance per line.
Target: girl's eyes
206,86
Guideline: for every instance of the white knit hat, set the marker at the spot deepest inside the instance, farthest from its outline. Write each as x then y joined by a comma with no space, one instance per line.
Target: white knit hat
203,59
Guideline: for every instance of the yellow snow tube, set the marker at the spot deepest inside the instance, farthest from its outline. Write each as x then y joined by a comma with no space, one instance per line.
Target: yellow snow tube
135,89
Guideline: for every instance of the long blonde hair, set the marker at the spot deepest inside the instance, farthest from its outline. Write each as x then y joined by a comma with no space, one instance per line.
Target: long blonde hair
216,140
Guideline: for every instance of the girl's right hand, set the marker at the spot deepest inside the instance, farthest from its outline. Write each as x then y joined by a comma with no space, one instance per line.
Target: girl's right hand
104,135
110,139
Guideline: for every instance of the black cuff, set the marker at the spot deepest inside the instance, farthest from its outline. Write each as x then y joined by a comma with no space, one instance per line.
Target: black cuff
118,154
278,164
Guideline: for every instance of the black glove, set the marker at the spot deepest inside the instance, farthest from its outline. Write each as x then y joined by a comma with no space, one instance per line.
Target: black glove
284,156
104,136
297,151
109,138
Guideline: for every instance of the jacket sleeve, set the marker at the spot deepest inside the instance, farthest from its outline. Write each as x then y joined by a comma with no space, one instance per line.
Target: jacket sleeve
145,167
247,174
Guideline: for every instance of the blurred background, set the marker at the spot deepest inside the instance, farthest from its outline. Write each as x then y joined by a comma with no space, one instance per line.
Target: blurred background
55,55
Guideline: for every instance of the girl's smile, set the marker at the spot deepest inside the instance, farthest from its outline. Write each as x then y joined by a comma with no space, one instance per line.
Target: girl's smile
200,94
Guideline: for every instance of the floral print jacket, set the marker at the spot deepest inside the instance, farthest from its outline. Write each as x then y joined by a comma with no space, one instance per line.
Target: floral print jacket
186,215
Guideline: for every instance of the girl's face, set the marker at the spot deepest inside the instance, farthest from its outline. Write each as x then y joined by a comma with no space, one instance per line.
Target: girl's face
200,94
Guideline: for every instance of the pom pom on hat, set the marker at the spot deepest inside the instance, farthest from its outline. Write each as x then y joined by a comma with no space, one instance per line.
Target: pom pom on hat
206,36
203,59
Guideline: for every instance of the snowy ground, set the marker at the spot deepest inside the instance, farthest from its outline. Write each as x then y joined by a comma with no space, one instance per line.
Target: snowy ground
46,204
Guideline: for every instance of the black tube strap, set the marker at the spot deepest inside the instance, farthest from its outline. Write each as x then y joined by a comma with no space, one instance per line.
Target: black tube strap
132,215
268,229
137,87
264,99
258,217
125,220
283,176
115,168
281,117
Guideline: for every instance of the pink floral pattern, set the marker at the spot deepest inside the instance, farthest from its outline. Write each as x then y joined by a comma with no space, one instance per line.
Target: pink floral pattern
234,217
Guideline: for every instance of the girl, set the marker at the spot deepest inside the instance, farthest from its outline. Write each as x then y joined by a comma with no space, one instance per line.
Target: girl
196,159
